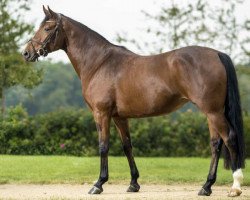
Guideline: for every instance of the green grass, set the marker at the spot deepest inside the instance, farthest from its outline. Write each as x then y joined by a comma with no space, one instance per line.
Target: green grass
77,170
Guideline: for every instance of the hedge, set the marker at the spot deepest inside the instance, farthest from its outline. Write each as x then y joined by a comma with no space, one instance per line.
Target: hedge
73,132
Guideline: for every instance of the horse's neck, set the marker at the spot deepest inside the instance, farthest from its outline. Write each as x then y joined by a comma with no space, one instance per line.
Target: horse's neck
85,48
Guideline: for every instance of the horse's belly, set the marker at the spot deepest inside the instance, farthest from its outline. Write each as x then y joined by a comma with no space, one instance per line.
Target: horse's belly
149,93
141,106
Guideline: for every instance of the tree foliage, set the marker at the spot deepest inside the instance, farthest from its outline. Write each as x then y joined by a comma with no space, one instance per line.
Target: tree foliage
13,69
73,132
197,22
243,74
60,88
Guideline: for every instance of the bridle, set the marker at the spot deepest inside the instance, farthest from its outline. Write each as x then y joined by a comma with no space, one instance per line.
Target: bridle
42,51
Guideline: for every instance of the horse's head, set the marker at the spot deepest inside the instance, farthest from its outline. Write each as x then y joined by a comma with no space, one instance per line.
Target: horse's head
48,38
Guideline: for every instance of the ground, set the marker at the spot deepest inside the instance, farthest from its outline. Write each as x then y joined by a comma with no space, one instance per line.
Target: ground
113,192
61,177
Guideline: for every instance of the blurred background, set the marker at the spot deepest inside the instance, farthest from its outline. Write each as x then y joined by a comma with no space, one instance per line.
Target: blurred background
42,109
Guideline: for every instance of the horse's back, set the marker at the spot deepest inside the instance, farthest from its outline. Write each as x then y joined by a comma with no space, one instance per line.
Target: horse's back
152,85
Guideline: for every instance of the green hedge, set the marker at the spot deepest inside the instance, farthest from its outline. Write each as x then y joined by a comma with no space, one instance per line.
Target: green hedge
73,132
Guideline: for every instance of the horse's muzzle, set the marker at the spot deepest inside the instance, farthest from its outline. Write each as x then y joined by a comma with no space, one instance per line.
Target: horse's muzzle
30,57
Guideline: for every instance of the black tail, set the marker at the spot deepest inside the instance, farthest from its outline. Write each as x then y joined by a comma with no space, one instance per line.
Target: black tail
233,114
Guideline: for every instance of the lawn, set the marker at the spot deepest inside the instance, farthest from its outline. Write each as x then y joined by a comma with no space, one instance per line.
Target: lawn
77,170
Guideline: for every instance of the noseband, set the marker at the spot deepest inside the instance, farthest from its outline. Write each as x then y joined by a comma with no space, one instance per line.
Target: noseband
42,51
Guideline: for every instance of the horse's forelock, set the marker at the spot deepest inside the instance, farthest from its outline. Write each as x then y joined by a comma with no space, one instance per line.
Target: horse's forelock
46,18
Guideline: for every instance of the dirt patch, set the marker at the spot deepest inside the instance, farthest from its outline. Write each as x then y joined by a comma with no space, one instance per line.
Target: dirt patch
113,192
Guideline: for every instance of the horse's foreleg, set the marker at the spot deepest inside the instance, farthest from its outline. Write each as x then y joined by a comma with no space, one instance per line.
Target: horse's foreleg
123,129
102,125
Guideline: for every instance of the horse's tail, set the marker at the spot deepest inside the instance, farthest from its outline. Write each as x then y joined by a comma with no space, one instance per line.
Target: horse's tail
233,114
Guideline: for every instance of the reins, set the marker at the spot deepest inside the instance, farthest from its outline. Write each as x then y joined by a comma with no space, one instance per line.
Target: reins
42,51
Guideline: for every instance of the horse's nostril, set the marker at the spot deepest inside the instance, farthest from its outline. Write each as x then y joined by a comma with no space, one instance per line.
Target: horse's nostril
41,52
26,54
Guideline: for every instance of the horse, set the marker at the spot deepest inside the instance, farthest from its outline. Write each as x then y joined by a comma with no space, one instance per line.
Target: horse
118,84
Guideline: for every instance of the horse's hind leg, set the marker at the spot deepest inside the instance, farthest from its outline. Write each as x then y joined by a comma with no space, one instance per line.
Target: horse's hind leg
216,144
219,124
123,129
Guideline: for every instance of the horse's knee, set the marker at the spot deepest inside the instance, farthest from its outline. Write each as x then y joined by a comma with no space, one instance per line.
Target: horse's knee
103,150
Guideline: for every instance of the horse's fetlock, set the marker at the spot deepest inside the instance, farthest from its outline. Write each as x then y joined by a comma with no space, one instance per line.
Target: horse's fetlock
104,179
211,179
135,173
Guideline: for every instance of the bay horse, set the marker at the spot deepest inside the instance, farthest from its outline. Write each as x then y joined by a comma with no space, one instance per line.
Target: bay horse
118,84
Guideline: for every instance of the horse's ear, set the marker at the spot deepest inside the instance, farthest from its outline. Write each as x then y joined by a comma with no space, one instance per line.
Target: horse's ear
52,13
46,12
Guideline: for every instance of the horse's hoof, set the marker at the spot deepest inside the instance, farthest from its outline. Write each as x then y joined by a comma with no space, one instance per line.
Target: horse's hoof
133,188
95,190
204,192
234,192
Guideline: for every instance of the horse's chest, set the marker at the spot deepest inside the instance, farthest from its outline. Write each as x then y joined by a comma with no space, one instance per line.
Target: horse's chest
99,98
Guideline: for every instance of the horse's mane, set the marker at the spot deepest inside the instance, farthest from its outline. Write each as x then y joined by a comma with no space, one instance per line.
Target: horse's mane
92,33
86,29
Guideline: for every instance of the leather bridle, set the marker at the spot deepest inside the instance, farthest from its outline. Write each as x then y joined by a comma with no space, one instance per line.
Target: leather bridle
42,51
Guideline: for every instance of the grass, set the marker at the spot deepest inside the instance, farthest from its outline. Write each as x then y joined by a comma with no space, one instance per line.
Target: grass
77,170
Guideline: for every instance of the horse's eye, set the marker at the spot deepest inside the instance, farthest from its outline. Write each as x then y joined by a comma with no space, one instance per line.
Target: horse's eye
46,29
